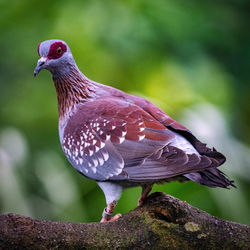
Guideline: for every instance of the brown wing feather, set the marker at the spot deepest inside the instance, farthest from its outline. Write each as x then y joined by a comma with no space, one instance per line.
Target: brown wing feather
173,125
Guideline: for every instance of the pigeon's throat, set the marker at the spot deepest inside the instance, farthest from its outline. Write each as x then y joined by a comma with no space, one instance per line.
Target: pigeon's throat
72,90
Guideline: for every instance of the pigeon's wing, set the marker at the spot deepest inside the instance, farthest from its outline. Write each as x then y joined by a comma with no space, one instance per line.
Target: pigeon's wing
109,137
96,128
104,135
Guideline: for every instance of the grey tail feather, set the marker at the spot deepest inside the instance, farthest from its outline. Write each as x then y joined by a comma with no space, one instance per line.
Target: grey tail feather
211,177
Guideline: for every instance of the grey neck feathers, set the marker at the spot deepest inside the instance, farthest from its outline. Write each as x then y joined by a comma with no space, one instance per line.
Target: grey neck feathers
63,66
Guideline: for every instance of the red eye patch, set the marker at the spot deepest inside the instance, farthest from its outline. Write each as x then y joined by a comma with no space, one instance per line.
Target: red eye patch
38,48
56,50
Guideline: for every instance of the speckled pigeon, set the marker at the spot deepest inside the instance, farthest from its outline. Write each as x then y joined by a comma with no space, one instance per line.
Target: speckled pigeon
120,140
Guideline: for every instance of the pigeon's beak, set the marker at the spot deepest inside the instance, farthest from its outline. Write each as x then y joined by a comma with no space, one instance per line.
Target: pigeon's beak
40,65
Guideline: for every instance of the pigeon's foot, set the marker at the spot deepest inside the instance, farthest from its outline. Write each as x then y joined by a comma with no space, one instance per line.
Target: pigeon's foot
144,194
108,211
116,217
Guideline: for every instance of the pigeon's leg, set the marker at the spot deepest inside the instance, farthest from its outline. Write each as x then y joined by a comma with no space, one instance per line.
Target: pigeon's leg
112,192
108,211
145,191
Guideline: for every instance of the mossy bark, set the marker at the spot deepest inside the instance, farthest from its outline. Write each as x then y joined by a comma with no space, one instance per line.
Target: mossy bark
162,222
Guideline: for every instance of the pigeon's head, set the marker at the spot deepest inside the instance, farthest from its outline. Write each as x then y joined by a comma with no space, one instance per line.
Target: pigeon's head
55,56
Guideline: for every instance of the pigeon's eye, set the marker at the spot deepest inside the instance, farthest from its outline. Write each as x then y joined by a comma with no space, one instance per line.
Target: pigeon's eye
56,50
59,50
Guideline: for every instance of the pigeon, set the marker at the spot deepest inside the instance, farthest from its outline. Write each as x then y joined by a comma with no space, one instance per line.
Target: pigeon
121,140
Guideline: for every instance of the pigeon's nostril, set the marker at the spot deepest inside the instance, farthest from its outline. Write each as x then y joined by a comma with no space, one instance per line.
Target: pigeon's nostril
41,64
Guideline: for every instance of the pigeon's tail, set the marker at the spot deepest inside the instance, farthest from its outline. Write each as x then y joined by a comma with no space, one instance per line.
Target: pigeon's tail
211,177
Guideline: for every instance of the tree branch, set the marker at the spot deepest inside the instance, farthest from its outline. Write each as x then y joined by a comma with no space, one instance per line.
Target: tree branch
161,222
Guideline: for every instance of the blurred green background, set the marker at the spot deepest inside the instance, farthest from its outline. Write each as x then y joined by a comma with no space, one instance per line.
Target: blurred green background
191,58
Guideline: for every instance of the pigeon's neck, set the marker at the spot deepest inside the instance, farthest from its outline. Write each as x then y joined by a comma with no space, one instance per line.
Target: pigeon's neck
72,89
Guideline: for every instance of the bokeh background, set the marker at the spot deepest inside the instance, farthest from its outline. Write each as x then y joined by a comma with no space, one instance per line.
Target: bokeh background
191,58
